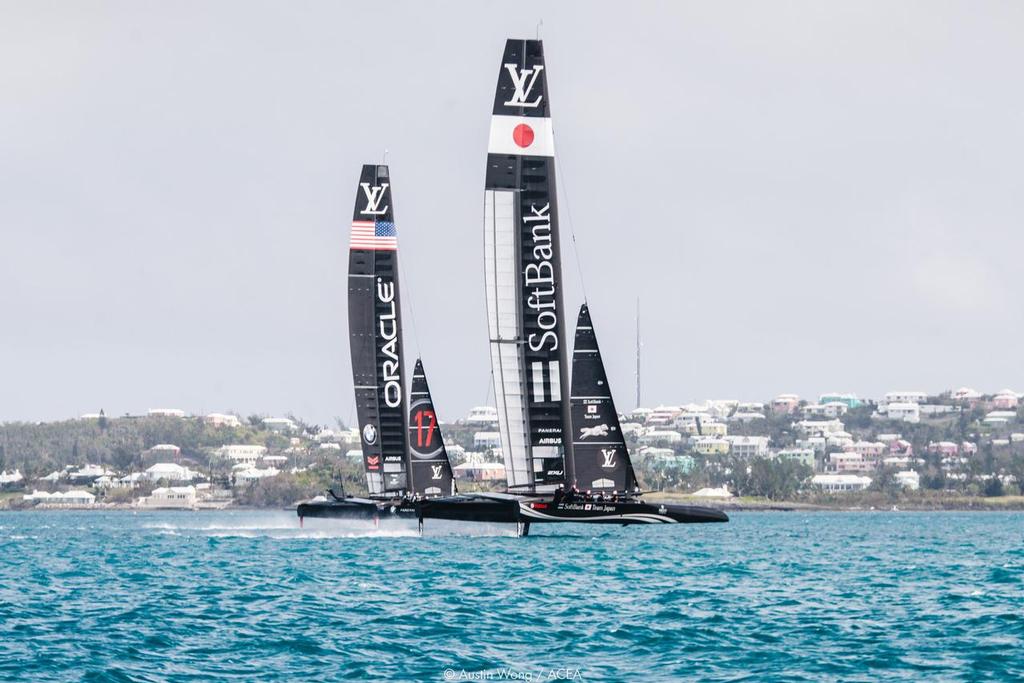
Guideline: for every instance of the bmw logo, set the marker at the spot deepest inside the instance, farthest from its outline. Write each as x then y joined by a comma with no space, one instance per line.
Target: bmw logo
369,433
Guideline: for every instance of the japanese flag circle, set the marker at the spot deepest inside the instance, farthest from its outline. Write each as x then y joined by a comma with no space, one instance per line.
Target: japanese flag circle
523,135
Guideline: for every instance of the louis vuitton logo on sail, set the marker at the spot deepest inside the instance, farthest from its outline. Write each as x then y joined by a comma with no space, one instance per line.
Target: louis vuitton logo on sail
523,81
388,325
374,196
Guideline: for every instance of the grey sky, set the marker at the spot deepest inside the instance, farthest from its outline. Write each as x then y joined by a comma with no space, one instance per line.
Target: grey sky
806,196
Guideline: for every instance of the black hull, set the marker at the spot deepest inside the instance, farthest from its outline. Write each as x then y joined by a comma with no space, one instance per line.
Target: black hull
621,512
470,508
517,510
508,509
357,508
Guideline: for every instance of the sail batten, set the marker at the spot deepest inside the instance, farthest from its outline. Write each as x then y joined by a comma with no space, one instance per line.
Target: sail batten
523,274
600,459
375,334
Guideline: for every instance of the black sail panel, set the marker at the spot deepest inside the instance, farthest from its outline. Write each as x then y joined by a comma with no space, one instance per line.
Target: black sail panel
524,274
600,460
430,471
375,331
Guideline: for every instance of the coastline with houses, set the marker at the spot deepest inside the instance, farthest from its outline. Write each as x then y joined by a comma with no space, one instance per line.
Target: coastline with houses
960,449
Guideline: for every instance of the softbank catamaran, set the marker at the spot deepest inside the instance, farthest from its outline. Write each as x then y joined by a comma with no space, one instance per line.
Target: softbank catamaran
404,456
565,455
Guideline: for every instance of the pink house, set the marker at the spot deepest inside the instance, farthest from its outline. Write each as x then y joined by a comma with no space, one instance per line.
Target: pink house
944,448
1005,401
850,462
785,404
868,449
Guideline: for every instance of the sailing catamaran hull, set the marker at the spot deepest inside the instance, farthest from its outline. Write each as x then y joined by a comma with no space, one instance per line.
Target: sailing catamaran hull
499,509
471,508
629,512
514,510
357,508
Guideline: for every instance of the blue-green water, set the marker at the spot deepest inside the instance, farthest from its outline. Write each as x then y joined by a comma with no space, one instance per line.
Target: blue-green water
248,596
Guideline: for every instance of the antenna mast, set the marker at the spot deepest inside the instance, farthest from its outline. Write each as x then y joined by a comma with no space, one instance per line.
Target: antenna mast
638,352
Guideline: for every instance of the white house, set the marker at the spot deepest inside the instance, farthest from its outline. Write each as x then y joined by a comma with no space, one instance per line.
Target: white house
814,443
166,412
13,477
169,471
837,483
247,475
653,437
966,394
176,497
909,479
819,427
222,420
906,397
748,446
87,473
279,424
906,411
242,453
486,440
804,456
66,499
483,416
829,410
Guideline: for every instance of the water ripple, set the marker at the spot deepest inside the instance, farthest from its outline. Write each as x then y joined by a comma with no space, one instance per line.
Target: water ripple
252,597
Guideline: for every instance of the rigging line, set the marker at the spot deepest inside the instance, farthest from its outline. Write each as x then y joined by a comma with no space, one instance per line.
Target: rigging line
572,230
490,383
412,306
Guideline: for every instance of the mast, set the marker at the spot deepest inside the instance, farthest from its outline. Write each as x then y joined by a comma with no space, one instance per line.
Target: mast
430,471
375,334
523,274
638,352
600,460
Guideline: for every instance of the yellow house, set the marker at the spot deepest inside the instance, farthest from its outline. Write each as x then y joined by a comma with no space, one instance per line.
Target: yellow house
708,445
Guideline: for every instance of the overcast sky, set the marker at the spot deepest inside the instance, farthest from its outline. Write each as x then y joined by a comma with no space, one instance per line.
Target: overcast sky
805,196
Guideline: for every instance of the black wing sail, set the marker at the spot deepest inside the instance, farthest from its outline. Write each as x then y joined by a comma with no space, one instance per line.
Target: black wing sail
375,331
430,471
600,460
523,273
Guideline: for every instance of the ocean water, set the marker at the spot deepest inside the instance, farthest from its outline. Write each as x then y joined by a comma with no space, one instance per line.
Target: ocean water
249,596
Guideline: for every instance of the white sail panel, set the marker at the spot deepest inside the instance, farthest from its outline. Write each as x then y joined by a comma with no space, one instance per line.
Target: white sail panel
501,280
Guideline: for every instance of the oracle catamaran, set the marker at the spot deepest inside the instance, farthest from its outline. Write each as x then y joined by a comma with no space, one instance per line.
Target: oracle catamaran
404,456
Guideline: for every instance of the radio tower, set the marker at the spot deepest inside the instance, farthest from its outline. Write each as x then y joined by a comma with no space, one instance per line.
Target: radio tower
638,352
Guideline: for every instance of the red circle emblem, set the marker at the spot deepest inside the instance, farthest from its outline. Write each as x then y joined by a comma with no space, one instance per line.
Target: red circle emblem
522,135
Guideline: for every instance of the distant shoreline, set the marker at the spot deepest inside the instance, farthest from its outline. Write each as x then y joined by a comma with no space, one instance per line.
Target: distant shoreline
953,504
1014,504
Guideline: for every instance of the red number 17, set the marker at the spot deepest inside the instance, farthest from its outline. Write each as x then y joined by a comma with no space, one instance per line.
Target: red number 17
421,417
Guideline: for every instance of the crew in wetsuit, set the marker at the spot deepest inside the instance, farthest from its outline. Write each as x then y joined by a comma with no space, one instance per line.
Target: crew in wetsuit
559,494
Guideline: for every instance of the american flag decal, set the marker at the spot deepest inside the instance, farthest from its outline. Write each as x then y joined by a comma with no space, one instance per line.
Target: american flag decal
374,235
